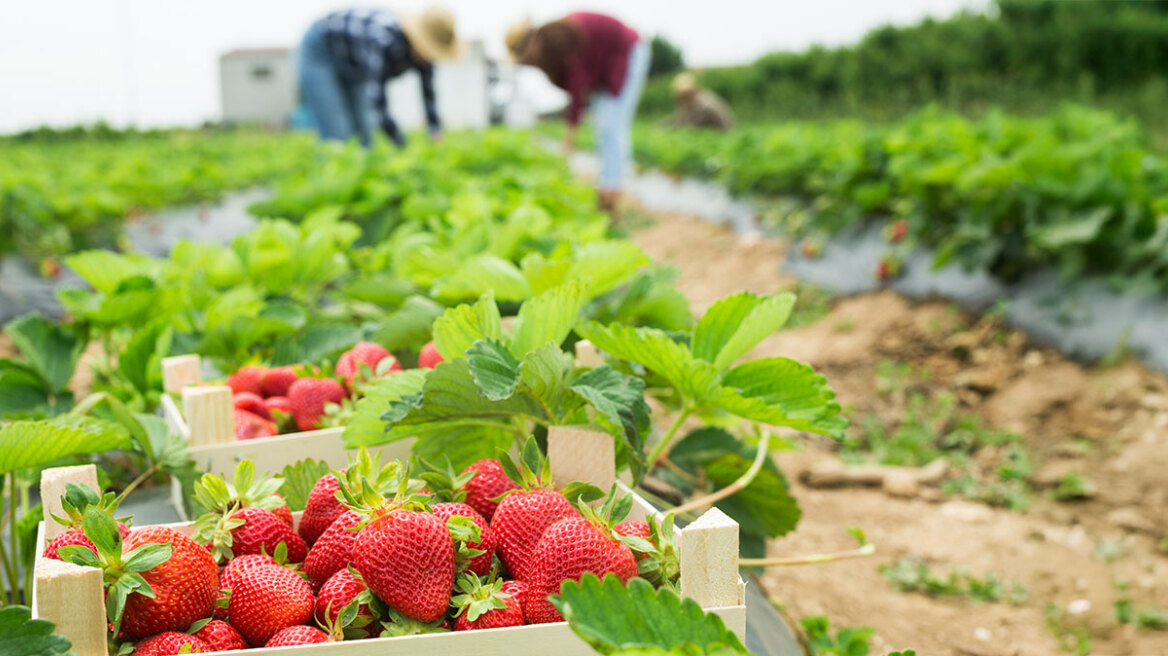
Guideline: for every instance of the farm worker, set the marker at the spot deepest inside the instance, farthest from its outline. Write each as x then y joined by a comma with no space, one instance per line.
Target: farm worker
698,107
347,57
598,60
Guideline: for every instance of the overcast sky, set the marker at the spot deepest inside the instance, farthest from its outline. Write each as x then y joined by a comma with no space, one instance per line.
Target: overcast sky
154,62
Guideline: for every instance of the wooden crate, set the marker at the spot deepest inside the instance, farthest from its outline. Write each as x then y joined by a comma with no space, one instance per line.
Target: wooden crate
71,596
205,419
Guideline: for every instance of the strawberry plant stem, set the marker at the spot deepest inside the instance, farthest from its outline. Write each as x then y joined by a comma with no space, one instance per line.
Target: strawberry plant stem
662,449
743,481
150,471
859,552
8,557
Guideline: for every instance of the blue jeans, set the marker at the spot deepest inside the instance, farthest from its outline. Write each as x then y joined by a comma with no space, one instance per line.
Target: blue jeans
339,107
613,116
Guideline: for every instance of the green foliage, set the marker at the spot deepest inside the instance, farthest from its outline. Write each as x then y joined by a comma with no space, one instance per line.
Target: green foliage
912,575
25,444
665,57
298,481
20,635
612,618
37,385
847,641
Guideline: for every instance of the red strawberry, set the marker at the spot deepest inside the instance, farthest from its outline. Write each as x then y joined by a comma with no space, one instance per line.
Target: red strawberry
519,523
266,600
407,559
810,249
333,550
170,643
237,566
429,356
247,379
341,589
276,381
307,398
185,586
568,549
484,606
898,231
518,591
480,564
321,509
278,408
220,636
368,354
249,426
887,268
298,635
75,536
251,403
261,532
635,529
488,483
283,511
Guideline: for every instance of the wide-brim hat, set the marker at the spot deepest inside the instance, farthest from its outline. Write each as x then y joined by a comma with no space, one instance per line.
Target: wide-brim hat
684,83
432,34
518,37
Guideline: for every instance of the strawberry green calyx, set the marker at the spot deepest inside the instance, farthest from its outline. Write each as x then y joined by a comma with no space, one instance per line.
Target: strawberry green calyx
223,500
79,497
533,472
661,564
612,512
121,571
359,494
445,483
400,625
477,598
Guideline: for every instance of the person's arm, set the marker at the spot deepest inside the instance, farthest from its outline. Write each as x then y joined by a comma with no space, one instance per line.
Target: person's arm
381,106
429,99
576,86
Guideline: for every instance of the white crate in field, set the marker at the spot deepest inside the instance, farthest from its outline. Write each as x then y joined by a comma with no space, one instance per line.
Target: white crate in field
71,596
205,419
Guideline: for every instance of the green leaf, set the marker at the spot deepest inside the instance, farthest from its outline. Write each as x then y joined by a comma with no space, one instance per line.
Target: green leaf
299,479
50,350
23,393
620,400
408,327
495,370
482,274
543,374
106,270
366,425
606,264
143,355
20,635
547,318
322,340
25,444
657,352
609,616
702,446
781,392
464,325
1071,231
737,323
463,445
765,507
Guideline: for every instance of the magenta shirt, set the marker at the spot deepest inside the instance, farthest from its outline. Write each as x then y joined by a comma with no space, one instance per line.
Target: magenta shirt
602,62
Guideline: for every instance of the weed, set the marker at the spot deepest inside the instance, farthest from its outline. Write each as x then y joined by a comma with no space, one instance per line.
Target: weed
1073,486
1109,550
812,303
913,575
1152,619
1072,639
848,641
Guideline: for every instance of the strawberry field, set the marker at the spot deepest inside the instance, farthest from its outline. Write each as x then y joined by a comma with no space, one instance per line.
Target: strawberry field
479,403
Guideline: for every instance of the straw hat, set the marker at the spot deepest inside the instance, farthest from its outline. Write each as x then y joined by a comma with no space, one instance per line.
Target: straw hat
684,83
518,36
431,33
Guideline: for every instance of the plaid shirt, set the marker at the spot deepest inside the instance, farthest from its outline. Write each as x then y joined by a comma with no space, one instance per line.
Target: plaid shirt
369,47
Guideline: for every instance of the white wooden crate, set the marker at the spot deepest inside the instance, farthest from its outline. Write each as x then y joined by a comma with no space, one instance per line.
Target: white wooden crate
205,419
71,596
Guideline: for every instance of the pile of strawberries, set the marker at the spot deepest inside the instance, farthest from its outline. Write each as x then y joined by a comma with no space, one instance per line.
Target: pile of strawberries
375,553
269,401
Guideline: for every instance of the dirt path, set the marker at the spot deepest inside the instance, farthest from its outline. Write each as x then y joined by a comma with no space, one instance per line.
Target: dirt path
1075,560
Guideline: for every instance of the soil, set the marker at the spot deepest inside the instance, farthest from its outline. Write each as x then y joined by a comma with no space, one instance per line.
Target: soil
1075,559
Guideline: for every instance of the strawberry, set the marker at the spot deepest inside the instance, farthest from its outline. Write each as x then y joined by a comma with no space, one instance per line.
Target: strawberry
234,569
337,593
307,398
405,554
74,502
524,514
634,529
298,635
810,249
252,403
479,564
333,551
489,482
887,268
518,591
484,606
353,363
265,600
242,518
247,379
170,643
184,586
220,636
429,357
321,509
279,409
574,546
249,426
275,382
898,231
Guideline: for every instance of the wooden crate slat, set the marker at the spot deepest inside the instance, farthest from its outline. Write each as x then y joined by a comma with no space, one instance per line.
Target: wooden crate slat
709,560
181,371
580,453
209,414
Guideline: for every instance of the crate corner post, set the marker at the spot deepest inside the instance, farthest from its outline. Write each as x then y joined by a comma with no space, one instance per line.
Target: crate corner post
581,453
709,560
209,414
181,371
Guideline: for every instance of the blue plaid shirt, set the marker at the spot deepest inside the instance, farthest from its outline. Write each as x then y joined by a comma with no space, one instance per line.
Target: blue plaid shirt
368,46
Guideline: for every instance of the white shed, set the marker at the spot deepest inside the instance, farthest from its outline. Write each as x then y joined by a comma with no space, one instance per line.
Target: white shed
258,85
